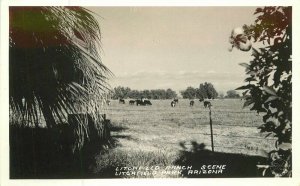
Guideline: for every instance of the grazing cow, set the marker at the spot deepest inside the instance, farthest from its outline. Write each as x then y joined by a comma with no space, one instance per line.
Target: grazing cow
108,102
173,103
201,99
122,101
192,103
143,102
176,101
207,104
138,102
147,102
131,102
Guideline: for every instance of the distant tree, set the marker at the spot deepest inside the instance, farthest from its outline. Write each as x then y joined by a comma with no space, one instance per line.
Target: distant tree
207,90
232,94
146,94
200,92
121,92
170,94
189,93
133,94
158,94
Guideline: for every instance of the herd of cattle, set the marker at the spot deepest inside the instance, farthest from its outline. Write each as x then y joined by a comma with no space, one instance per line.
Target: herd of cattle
192,102
142,102
174,102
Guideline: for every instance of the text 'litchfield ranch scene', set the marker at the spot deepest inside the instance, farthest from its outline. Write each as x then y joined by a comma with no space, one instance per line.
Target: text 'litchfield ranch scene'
150,92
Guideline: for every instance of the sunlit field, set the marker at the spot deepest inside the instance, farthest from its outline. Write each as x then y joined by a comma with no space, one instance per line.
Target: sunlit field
156,134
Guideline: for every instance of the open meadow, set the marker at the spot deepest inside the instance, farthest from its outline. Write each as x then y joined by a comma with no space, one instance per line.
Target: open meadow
161,135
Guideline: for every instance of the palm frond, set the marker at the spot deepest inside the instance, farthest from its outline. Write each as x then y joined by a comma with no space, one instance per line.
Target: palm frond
55,63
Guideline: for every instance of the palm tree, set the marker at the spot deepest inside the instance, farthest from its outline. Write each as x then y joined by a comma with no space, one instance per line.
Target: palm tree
55,67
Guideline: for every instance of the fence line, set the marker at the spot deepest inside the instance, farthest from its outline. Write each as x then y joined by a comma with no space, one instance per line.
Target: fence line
213,111
208,145
236,136
231,125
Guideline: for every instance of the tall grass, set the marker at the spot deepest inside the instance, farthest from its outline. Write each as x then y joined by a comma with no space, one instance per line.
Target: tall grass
107,162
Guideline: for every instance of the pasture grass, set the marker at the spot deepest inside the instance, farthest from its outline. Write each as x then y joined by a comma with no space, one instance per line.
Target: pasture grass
107,162
158,134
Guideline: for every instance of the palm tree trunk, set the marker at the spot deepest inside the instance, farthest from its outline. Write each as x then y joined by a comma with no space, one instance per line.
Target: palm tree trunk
47,113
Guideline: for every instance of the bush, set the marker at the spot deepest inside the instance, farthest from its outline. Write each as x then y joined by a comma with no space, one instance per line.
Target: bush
269,81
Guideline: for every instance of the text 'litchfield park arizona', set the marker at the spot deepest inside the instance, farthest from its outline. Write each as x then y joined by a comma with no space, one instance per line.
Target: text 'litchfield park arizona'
168,170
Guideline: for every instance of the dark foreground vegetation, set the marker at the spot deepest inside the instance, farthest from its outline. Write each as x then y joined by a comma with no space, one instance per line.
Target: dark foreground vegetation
236,165
55,74
64,151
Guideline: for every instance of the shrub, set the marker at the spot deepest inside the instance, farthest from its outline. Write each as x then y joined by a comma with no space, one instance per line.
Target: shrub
269,81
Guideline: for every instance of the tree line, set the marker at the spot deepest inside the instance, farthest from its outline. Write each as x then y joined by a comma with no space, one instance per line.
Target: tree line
205,91
126,92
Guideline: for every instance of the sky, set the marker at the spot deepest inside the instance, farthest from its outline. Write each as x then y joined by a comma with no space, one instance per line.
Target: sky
172,47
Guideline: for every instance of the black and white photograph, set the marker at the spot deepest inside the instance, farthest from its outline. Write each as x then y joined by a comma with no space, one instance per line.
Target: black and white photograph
148,92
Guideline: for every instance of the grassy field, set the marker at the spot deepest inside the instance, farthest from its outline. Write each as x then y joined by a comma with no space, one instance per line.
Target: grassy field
159,135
